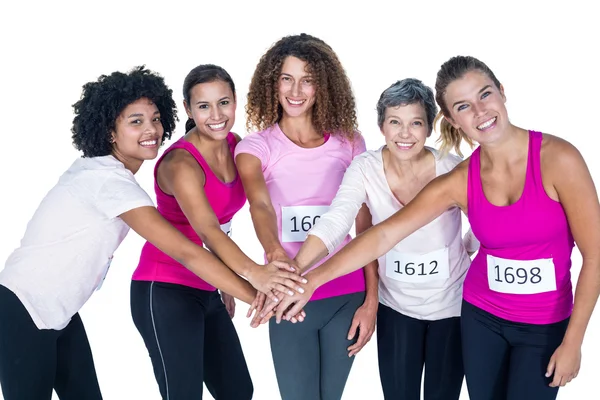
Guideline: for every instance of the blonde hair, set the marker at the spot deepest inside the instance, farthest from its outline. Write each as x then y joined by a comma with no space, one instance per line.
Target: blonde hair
450,137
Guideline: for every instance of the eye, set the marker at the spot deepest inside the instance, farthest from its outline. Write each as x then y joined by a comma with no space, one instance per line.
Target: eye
136,121
224,102
203,106
308,81
394,122
418,123
485,94
285,78
462,107
156,119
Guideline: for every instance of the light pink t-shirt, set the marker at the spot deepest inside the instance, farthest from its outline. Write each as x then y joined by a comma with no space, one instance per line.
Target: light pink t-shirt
302,183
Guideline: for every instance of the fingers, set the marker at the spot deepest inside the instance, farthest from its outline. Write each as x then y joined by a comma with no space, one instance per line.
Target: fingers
300,303
284,275
285,303
272,297
268,308
267,317
284,265
551,365
253,306
353,328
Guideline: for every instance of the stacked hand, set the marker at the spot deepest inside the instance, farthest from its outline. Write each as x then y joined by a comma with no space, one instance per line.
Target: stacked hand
277,276
281,291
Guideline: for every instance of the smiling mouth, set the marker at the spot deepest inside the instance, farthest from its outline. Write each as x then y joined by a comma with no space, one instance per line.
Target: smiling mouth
149,143
295,102
217,127
487,124
404,146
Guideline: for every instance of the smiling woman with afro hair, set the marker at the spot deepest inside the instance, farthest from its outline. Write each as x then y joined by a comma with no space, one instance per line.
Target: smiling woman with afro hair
103,101
65,254
301,101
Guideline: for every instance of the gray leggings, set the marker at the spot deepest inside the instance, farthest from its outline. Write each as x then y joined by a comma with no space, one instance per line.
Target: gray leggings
311,358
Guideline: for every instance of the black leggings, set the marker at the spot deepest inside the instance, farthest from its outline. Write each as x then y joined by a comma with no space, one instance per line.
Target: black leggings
191,340
405,344
35,361
507,360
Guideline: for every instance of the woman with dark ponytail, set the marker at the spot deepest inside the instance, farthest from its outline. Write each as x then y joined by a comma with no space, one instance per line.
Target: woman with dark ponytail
185,324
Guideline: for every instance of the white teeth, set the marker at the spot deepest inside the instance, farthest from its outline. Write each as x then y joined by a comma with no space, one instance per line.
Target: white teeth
487,124
217,126
149,142
296,103
404,145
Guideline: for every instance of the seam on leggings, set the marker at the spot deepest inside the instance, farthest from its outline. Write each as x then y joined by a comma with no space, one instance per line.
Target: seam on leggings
156,337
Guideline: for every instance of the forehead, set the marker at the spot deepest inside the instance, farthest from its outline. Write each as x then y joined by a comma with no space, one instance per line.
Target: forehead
413,110
467,86
140,106
294,66
207,90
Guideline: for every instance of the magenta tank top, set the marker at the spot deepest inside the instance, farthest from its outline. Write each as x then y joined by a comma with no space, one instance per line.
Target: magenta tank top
225,199
522,270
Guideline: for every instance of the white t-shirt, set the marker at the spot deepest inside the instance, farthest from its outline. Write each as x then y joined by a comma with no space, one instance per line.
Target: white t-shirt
69,242
422,276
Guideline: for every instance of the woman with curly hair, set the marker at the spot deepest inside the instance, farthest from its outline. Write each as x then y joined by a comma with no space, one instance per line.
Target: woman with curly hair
181,318
301,101
120,121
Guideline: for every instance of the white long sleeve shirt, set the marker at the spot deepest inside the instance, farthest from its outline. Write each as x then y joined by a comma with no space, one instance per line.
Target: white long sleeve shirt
422,276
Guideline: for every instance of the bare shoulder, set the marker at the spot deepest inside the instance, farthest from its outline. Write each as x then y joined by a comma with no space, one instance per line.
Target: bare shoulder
453,184
179,161
558,155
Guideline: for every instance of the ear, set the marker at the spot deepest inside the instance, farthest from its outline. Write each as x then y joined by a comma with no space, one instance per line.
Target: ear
502,93
113,137
188,111
451,122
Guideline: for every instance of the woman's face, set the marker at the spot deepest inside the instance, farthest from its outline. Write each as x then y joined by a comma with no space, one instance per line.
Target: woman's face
405,130
297,91
212,107
477,107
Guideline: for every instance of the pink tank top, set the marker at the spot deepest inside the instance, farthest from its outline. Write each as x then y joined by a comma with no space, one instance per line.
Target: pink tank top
522,270
225,199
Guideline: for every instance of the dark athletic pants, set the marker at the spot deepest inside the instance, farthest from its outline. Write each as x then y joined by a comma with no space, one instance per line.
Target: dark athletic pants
311,357
35,361
191,340
507,360
406,344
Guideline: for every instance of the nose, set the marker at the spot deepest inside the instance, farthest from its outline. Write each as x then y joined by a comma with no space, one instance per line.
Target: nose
215,113
478,109
150,127
296,88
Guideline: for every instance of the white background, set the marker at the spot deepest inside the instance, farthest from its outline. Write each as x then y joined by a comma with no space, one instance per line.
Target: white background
544,53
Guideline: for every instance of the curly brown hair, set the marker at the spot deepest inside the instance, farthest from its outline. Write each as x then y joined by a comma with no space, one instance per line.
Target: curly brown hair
334,111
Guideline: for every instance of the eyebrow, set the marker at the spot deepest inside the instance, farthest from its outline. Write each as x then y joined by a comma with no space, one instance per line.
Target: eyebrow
290,75
463,101
141,115
221,99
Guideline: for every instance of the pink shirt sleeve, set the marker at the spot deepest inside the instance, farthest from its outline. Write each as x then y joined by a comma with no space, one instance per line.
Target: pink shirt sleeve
359,145
256,145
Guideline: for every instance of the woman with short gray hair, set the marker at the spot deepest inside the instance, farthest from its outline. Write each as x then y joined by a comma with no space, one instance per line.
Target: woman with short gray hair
421,278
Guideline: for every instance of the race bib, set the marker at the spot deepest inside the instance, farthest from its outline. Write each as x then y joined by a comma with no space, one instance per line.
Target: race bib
417,268
105,273
298,220
521,277
226,228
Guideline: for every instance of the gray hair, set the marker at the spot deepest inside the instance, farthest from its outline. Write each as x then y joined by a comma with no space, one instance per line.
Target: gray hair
405,92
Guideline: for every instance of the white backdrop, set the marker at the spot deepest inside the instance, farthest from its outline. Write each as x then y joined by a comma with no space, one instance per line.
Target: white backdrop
544,53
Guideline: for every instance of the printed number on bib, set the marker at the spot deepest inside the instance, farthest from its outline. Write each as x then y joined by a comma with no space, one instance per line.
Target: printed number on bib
226,228
297,221
521,277
105,273
417,268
